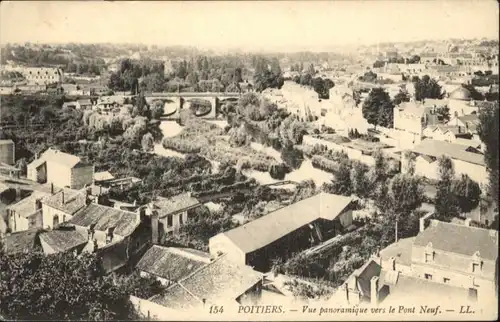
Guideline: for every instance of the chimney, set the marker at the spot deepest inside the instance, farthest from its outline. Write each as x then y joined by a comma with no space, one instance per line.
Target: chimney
392,263
62,197
467,222
18,194
204,301
374,290
346,289
154,227
421,224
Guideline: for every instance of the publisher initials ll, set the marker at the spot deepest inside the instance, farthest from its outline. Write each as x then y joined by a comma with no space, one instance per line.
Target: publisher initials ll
465,309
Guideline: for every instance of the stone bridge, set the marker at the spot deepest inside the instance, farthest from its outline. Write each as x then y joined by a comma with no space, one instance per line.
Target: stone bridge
205,104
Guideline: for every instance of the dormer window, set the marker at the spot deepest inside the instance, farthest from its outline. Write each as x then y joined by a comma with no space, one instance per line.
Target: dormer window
429,253
477,263
109,236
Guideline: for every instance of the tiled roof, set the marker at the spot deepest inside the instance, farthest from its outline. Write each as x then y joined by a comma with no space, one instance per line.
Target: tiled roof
445,68
177,298
415,109
455,130
2,142
104,175
113,256
74,200
84,102
364,275
27,206
22,241
218,281
460,239
171,263
275,225
437,148
401,251
95,190
472,121
64,239
36,163
430,102
171,205
103,217
419,289
60,158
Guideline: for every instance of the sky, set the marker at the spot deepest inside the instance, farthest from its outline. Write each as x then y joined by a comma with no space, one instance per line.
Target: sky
248,25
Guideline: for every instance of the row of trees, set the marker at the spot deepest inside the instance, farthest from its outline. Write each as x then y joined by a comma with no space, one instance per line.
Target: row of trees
200,74
415,59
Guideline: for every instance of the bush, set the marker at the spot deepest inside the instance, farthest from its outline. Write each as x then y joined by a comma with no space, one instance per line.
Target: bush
278,171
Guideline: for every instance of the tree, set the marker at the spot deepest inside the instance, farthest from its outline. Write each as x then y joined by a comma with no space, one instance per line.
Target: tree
329,83
409,158
400,97
378,108
467,192
341,184
34,286
310,70
305,79
404,195
319,87
147,142
361,185
22,165
381,168
488,132
443,114
446,201
427,88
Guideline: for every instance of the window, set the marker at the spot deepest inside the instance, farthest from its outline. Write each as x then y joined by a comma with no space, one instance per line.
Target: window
181,219
475,267
55,221
32,221
472,294
446,280
428,257
169,221
428,277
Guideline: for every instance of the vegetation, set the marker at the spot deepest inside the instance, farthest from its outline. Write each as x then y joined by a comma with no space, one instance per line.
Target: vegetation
35,286
427,87
488,132
378,108
401,97
267,74
446,201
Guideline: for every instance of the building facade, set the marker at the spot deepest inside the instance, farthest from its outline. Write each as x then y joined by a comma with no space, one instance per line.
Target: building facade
61,169
7,152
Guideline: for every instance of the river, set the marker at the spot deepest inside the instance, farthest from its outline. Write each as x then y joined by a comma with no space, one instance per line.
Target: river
305,172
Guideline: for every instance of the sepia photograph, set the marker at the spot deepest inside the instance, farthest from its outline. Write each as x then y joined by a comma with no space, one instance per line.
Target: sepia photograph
249,160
